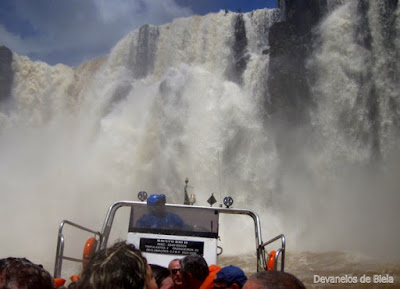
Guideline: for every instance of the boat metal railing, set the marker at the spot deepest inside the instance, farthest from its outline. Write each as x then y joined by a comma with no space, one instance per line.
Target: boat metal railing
104,235
61,244
280,252
257,224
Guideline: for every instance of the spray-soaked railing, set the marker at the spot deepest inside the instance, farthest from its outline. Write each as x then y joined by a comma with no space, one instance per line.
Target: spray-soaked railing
279,253
261,262
61,243
104,235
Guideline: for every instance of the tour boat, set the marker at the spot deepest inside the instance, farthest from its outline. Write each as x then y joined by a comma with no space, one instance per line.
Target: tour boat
186,229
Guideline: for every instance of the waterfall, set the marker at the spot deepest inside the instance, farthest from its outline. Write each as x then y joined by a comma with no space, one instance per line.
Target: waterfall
193,98
355,91
158,109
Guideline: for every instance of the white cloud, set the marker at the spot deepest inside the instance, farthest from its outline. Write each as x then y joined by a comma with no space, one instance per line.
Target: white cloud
71,31
111,11
10,40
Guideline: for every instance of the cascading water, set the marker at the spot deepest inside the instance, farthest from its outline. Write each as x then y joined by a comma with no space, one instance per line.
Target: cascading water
157,110
187,99
355,90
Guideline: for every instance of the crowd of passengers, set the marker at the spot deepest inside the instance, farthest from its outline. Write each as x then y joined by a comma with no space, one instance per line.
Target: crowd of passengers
122,266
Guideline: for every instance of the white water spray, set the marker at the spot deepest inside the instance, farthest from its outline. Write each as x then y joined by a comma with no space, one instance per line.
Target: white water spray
81,138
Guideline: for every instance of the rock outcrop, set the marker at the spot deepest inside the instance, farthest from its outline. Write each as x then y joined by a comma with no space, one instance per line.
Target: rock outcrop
290,45
6,73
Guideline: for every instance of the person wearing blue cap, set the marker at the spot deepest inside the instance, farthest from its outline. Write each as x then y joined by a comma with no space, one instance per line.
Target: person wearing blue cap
230,277
158,217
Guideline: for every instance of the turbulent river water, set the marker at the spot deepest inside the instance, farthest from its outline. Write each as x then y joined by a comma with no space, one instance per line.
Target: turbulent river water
312,267
190,99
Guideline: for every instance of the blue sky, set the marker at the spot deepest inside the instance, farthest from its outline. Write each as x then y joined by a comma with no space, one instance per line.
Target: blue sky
73,31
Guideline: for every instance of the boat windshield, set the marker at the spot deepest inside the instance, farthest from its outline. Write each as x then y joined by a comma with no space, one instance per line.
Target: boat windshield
184,221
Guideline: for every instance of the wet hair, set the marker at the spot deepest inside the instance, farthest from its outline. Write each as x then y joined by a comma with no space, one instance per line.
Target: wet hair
277,280
120,266
20,273
159,273
196,265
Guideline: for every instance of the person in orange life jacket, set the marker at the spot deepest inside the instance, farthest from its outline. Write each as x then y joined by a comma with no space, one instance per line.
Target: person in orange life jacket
230,277
209,282
158,217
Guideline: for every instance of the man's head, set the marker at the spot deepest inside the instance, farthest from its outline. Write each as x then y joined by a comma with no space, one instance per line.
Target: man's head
230,277
273,280
194,270
20,273
176,274
162,276
156,204
119,266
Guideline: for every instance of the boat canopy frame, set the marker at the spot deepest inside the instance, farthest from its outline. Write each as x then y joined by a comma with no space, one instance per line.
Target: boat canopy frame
102,237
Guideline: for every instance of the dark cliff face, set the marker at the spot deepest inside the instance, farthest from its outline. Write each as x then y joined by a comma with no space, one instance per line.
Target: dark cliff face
146,50
6,74
290,45
289,99
141,61
240,58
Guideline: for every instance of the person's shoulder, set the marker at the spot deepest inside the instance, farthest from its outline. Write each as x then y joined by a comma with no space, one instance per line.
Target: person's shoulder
175,219
145,220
